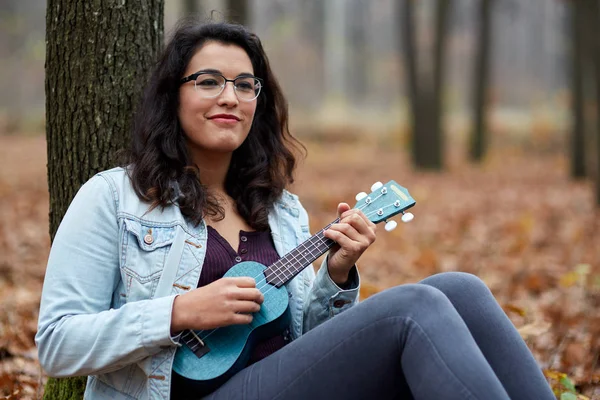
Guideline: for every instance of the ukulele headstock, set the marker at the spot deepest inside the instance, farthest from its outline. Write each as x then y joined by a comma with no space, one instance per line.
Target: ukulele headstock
385,201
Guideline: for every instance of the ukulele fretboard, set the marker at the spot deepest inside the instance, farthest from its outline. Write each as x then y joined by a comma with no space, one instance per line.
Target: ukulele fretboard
284,269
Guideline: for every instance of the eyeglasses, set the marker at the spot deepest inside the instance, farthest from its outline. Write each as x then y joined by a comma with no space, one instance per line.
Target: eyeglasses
212,84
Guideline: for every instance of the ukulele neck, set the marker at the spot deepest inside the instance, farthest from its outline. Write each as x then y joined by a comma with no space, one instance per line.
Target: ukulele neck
290,265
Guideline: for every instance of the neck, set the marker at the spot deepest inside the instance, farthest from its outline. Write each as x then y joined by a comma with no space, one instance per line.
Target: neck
213,169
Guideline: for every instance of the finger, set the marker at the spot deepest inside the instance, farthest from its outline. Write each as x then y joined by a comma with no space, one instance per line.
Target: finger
250,294
246,307
347,230
360,214
242,281
342,208
347,237
364,230
241,319
345,243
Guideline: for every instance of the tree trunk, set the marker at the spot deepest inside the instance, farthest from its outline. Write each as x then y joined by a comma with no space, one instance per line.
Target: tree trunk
595,45
238,11
479,140
358,67
426,92
98,55
578,158
334,50
435,145
412,75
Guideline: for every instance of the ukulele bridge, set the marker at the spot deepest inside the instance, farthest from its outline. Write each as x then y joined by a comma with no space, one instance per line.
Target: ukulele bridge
200,350
197,345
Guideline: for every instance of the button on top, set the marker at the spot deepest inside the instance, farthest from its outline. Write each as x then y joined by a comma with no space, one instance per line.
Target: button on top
339,303
244,239
148,239
238,259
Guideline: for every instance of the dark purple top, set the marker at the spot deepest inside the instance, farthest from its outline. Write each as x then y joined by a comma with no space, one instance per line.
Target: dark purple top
220,256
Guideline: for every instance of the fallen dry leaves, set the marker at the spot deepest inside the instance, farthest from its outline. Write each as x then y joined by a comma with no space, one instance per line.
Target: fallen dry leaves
517,221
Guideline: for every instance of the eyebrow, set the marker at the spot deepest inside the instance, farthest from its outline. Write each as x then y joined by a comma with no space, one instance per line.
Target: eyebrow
216,71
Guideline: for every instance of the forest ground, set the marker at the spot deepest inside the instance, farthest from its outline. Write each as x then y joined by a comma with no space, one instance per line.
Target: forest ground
517,221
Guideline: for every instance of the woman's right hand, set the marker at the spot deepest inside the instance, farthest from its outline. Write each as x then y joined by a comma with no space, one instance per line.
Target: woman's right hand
226,301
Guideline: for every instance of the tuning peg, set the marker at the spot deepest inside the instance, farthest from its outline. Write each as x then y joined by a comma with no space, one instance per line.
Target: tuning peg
407,217
376,185
361,196
390,226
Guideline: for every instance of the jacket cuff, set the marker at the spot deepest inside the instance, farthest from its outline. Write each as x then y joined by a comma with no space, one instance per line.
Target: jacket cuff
339,299
156,323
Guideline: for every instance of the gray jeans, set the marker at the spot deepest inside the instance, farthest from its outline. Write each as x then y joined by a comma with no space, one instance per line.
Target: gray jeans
443,338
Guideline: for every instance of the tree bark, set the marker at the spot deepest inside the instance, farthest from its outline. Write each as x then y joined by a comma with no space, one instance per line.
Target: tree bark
479,139
426,92
435,137
578,157
98,55
595,46
412,75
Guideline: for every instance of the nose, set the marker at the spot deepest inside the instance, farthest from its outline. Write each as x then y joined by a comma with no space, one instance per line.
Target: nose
228,97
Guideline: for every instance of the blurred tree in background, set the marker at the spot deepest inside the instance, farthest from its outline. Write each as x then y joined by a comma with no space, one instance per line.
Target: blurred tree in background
238,11
585,70
97,57
579,55
191,6
425,81
594,32
481,76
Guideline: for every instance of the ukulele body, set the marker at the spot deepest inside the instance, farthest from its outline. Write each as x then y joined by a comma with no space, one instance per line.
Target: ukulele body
229,348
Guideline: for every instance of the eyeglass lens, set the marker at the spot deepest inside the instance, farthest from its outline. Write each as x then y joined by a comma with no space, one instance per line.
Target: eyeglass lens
211,85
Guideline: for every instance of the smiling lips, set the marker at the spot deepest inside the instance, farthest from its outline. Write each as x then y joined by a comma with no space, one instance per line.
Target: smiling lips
224,118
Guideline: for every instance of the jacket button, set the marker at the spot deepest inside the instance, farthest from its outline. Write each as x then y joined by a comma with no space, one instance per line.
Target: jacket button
339,303
148,239
244,239
244,251
238,259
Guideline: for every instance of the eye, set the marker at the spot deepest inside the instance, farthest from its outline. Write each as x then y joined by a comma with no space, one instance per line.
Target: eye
207,82
245,84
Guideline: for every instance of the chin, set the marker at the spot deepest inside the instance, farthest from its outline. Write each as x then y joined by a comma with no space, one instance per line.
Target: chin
227,146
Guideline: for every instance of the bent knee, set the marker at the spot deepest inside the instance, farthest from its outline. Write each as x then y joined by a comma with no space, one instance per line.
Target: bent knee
451,283
411,296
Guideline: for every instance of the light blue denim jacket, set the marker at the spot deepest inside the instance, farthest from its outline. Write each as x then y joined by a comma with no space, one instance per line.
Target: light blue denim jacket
106,303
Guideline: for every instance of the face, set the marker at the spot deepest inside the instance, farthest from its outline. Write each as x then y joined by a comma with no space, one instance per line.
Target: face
220,124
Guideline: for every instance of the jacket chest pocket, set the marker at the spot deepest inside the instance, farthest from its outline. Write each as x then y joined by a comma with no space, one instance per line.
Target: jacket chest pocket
144,251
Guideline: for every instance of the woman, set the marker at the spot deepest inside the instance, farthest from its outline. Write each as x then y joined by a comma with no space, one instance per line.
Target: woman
140,256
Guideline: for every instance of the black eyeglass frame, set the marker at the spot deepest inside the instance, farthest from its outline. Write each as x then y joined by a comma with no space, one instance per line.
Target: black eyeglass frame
195,76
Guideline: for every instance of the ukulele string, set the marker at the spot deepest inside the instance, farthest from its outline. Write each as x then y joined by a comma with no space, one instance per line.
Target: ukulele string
277,269
322,240
262,287
319,241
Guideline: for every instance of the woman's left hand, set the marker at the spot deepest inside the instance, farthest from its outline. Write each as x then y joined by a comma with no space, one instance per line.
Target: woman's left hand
353,235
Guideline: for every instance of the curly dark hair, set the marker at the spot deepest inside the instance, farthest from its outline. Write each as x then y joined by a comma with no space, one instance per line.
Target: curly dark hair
260,168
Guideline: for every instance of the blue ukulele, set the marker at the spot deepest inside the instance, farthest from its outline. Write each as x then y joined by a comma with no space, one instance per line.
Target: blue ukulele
208,358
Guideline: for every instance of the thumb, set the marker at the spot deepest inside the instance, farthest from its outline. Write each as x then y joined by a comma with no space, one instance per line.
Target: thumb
342,208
